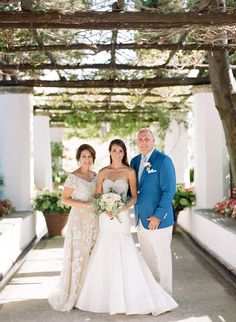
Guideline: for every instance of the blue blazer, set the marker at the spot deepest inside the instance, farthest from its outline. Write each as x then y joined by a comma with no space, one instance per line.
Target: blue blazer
156,190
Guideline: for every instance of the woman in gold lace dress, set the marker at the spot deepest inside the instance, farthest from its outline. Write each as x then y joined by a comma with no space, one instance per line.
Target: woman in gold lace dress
81,230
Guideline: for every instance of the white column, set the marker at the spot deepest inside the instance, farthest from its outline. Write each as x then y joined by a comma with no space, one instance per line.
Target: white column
176,147
42,152
16,148
56,134
210,156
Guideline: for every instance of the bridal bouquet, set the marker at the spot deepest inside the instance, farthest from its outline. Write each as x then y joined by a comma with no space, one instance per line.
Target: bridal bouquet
110,201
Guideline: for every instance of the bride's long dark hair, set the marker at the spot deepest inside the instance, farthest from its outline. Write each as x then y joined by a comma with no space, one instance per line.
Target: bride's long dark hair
121,144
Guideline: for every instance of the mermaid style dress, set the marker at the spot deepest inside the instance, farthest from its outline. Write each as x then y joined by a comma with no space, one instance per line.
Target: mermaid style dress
117,279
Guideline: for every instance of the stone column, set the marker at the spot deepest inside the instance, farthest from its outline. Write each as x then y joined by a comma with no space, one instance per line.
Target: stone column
56,134
16,148
176,147
42,152
210,157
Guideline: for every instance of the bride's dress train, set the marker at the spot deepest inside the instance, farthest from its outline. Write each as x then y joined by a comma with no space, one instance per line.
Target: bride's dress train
118,280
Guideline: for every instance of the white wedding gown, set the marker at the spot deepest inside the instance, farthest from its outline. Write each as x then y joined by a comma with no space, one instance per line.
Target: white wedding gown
117,279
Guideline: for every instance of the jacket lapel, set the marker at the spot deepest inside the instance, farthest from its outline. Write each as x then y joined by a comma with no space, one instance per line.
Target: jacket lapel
144,174
136,166
152,157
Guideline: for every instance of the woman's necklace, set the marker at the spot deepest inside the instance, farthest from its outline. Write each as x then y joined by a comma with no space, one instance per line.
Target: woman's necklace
85,174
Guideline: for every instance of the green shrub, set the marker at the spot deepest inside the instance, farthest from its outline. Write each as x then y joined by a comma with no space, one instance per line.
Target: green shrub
184,198
50,202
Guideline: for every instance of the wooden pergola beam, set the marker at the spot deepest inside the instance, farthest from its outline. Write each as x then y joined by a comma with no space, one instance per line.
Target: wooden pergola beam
105,107
105,111
112,20
102,117
140,83
131,46
65,93
22,67
84,105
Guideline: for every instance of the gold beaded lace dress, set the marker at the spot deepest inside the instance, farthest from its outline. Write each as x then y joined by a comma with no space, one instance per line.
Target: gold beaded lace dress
81,234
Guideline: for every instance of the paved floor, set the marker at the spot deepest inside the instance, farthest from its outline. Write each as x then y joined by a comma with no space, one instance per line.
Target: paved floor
202,293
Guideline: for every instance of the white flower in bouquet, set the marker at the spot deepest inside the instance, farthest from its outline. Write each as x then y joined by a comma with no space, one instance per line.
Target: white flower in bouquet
110,201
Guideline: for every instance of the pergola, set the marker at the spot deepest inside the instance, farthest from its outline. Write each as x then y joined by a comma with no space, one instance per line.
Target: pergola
119,60
90,62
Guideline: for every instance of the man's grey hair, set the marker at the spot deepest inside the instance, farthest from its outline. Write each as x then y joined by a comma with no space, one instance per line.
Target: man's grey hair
145,129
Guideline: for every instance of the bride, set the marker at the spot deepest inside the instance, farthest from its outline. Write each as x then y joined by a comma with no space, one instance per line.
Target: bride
117,278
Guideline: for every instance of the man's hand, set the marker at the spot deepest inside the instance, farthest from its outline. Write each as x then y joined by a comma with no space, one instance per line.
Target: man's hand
153,223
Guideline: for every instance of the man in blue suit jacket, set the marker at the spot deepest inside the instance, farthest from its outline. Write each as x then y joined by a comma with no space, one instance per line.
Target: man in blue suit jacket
154,216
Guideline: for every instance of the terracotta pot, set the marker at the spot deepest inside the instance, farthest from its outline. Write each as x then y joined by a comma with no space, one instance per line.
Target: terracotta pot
55,223
175,223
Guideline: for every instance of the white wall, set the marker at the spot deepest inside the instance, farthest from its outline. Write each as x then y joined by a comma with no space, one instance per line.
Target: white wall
16,148
210,156
176,146
16,233
216,239
42,152
56,134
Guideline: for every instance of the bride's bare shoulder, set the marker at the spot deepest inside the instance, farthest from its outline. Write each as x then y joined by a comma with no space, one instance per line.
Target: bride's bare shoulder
103,170
130,170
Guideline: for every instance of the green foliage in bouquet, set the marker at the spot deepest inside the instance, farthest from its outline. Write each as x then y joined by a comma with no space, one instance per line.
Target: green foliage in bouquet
50,202
111,202
184,198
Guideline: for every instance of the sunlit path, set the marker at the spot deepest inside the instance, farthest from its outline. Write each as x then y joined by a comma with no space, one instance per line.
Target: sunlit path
202,294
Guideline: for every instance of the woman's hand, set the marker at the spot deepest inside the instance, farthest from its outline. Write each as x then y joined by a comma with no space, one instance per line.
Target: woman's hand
88,204
110,214
124,208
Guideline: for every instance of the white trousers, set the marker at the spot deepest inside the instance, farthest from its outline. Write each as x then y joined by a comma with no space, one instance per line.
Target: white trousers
155,246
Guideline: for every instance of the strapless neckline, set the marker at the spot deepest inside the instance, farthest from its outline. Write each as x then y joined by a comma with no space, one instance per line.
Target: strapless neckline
119,185
116,180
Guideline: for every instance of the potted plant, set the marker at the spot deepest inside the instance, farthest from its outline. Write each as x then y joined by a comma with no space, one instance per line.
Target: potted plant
184,198
6,207
55,213
227,208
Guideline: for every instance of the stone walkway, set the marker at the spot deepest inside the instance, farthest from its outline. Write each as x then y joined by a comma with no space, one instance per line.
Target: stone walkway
202,293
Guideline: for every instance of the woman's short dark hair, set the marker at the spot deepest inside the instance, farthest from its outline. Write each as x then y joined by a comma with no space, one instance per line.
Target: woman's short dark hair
83,147
121,144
